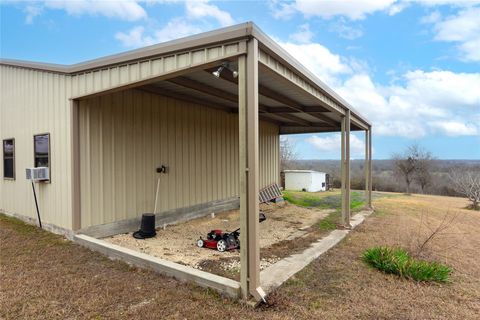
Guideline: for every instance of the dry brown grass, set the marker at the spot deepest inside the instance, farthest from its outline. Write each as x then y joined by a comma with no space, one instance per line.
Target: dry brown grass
339,285
45,277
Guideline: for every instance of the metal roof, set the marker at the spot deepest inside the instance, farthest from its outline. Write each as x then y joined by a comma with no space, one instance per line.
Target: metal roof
302,171
269,80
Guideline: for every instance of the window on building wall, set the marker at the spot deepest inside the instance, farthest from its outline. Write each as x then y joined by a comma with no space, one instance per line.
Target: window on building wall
9,158
41,145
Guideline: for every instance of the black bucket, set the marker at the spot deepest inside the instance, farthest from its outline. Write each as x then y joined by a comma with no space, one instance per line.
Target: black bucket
147,227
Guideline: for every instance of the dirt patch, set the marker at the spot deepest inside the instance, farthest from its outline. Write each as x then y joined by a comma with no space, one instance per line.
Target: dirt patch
177,243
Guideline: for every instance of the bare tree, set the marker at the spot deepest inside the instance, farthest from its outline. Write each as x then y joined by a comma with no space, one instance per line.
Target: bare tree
422,175
410,163
467,183
441,230
287,152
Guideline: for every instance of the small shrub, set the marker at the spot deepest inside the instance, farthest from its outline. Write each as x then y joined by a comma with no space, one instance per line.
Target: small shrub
398,261
428,271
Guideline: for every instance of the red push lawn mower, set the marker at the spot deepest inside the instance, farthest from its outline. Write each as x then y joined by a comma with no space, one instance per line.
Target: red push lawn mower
224,241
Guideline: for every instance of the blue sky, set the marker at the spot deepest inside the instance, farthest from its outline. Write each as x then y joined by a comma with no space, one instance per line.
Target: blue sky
411,67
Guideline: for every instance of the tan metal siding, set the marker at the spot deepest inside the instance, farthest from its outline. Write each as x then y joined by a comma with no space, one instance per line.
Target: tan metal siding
33,102
126,135
128,73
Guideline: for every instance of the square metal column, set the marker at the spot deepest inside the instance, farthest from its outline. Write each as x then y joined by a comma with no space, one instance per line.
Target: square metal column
370,180
345,169
249,175
366,168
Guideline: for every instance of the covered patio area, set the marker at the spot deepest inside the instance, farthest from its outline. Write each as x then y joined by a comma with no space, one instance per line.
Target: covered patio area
210,108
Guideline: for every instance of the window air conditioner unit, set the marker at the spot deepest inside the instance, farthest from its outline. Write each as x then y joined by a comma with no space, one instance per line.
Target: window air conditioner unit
38,174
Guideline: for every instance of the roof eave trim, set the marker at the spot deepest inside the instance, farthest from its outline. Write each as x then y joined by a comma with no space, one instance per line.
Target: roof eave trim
239,31
275,49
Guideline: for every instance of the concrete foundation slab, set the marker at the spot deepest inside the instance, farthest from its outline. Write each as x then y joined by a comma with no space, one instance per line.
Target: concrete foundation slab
223,285
45,225
271,277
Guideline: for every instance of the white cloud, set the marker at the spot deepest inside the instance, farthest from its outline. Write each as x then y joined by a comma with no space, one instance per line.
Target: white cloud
443,88
281,9
425,103
456,128
353,10
319,60
303,35
129,10
134,38
345,30
456,3
462,28
417,104
194,21
32,11
201,9
397,7
174,29
330,144
433,17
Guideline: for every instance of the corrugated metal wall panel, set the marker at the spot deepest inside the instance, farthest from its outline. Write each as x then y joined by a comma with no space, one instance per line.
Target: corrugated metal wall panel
33,102
90,82
126,135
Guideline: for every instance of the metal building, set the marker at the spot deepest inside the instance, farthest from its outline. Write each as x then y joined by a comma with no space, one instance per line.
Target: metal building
305,180
210,107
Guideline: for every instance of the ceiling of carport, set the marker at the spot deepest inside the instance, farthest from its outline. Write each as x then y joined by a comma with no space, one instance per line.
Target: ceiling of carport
280,102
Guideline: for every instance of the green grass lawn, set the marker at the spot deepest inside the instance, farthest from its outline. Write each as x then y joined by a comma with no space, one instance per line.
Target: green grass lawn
324,200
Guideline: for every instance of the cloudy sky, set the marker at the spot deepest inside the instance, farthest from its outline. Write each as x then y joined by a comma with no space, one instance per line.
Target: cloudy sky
411,67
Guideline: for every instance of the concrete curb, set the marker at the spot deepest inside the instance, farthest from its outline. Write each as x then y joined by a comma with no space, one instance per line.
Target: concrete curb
275,275
225,286
271,278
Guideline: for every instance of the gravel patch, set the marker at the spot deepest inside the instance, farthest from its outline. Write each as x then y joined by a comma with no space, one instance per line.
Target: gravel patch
177,242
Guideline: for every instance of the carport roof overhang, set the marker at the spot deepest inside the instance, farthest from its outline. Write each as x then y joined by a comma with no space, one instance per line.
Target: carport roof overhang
289,94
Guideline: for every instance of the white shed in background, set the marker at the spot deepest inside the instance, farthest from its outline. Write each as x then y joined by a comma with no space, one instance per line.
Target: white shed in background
307,180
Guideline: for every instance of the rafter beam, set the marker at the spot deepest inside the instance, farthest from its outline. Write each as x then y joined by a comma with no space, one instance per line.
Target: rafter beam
186,98
212,91
282,110
279,110
324,118
203,88
167,93
296,119
292,106
299,130
313,125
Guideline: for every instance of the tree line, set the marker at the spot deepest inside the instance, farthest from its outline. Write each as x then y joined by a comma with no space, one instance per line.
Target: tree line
415,170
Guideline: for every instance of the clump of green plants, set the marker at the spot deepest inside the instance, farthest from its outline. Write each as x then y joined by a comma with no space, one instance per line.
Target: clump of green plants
398,261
